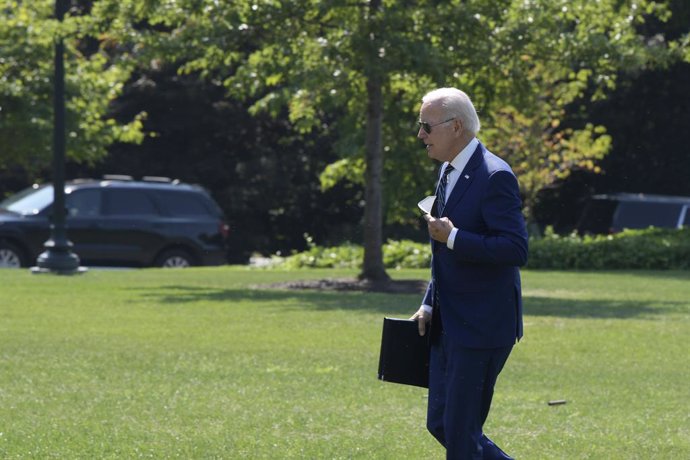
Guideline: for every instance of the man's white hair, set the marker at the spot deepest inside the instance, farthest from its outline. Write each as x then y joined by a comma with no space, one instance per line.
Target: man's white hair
457,104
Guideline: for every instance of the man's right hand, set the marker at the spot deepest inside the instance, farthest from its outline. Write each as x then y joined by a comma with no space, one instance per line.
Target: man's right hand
422,318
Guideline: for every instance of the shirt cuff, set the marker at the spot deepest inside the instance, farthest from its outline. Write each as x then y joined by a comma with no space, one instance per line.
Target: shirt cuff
451,238
427,308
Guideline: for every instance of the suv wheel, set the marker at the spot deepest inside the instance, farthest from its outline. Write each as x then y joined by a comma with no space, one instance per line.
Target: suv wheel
11,256
174,258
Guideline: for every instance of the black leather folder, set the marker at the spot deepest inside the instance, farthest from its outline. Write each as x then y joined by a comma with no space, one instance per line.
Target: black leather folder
404,354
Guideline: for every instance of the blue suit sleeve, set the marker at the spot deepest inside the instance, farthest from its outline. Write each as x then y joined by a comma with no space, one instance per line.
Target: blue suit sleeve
504,242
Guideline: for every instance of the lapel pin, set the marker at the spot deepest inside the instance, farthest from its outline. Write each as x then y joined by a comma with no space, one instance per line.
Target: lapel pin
467,176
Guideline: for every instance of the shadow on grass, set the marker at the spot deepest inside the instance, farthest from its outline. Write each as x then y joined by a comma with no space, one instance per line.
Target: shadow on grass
603,309
683,275
391,304
322,300
660,274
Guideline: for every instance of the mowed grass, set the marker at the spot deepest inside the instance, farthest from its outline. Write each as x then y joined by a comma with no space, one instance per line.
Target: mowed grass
205,363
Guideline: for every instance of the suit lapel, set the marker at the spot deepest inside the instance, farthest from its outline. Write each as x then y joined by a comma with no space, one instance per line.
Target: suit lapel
464,181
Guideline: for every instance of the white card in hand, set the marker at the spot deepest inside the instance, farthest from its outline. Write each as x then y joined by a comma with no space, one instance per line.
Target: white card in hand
427,204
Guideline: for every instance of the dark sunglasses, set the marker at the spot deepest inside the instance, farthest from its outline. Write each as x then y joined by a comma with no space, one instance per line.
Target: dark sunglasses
427,127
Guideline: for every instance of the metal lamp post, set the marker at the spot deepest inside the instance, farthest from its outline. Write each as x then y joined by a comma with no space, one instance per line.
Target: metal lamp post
58,256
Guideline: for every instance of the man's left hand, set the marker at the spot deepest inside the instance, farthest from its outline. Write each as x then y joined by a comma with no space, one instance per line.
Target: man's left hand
439,229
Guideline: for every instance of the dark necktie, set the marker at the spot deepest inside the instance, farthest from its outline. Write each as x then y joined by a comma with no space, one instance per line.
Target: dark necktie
441,191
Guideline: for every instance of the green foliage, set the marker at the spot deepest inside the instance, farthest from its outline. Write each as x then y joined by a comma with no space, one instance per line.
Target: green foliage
310,61
653,248
522,62
93,79
345,256
396,255
342,170
406,254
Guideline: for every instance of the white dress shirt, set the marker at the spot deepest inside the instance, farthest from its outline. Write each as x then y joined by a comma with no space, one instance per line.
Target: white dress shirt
459,163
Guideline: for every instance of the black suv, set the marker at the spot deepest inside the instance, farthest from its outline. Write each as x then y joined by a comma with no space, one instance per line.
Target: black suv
118,221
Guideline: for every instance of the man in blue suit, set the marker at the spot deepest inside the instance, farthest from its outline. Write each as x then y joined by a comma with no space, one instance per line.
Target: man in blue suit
473,304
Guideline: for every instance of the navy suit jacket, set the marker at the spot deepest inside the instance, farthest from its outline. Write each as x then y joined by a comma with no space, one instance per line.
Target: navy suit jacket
478,282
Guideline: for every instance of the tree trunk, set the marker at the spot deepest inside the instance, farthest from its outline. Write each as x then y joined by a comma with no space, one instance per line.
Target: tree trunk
373,268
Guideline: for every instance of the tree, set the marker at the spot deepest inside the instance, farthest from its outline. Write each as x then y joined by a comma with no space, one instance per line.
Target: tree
356,71
93,80
523,63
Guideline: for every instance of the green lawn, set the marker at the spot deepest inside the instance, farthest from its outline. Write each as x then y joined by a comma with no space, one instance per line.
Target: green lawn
199,363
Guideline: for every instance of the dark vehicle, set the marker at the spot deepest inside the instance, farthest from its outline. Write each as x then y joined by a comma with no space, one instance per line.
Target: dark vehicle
614,212
118,221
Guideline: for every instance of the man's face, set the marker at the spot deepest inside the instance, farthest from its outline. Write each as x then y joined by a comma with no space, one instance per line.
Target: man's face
442,141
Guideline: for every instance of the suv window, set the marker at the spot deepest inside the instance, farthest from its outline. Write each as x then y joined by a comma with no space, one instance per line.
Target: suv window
631,214
128,203
84,203
29,201
185,204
